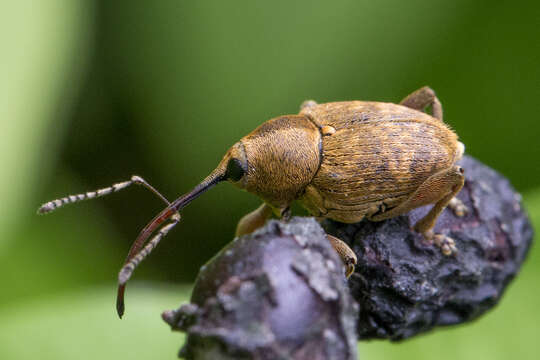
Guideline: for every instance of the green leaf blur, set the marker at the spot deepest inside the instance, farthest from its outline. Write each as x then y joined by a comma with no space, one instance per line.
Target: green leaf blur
92,92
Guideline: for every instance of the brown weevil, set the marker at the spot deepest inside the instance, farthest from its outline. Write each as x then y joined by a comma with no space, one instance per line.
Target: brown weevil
346,161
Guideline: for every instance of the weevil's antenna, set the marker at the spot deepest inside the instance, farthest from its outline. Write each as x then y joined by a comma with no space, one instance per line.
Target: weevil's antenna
70,199
137,253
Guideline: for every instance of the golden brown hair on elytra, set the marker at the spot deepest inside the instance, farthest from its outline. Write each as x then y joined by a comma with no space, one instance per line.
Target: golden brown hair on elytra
345,161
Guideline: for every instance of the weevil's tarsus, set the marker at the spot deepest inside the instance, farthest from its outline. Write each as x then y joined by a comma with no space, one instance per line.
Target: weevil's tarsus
445,243
458,207
135,179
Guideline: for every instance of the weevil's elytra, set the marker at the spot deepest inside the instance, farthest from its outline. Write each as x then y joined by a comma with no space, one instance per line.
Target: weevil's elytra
342,160
379,152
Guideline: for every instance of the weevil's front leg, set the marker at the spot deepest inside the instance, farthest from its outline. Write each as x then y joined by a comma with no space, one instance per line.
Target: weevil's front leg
439,189
422,98
253,220
345,253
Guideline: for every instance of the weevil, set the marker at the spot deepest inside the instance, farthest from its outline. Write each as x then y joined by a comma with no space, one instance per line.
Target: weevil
345,161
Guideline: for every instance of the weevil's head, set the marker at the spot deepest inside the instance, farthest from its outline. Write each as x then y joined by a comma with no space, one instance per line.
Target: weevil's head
276,161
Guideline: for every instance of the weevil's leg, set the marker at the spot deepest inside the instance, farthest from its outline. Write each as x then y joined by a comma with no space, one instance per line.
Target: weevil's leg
307,104
423,97
458,207
55,204
439,189
345,253
253,220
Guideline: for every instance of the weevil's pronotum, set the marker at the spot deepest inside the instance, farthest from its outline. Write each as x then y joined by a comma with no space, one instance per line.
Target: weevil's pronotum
346,161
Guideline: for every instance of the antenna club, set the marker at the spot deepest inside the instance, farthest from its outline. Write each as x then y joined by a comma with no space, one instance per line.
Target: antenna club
46,208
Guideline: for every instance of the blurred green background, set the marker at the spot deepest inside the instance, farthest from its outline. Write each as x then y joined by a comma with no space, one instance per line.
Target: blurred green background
92,92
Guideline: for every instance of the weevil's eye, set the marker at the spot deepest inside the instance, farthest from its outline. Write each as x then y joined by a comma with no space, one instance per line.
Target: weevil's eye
235,170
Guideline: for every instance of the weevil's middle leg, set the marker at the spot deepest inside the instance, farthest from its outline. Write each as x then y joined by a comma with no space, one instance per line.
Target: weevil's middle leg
422,98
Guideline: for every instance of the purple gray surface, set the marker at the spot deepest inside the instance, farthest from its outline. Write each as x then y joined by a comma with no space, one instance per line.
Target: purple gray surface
280,293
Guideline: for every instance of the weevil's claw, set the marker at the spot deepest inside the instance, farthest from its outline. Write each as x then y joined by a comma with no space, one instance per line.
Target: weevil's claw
350,265
349,269
443,242
458,207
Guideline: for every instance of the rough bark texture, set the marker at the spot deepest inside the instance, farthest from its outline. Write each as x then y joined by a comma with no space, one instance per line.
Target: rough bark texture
279,293
405,286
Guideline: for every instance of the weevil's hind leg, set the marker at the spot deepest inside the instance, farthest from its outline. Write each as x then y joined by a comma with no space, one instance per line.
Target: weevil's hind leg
345,253
439,188
135,179
253,220
422,98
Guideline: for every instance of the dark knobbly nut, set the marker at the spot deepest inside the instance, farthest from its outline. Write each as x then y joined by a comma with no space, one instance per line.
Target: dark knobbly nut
405,286
279,293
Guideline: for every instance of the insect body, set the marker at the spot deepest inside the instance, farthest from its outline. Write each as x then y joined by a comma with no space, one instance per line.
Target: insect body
344,160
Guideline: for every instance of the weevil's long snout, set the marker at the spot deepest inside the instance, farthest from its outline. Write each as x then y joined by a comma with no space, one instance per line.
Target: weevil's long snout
137,253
